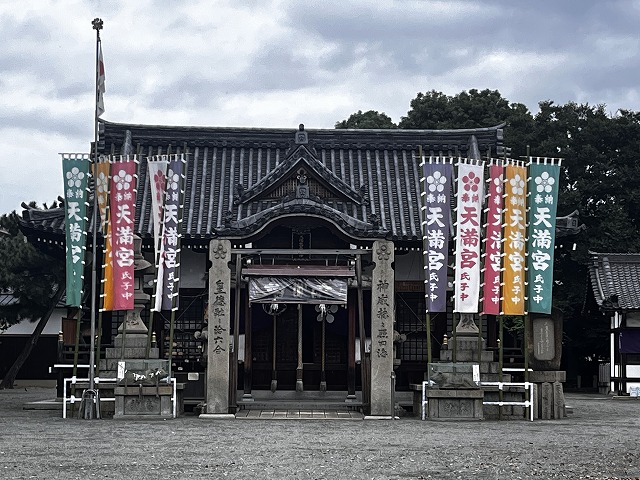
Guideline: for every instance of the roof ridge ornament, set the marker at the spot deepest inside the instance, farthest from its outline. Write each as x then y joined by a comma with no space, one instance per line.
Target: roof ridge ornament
301,137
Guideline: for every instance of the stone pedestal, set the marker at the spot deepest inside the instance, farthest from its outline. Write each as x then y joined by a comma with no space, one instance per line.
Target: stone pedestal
549,402
147,402
382,323
455,404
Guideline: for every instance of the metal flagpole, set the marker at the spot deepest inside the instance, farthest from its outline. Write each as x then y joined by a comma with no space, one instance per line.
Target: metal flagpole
89,397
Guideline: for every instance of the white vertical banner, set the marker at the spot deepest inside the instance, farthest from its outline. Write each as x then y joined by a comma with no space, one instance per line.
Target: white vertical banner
157,173
470,194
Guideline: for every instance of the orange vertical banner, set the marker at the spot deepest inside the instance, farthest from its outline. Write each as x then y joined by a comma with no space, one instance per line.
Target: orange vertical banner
102,172
515,241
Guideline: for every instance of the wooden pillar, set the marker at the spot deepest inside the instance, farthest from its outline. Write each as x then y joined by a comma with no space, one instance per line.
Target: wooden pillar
248,355
351,349
233,381
299,383
364,367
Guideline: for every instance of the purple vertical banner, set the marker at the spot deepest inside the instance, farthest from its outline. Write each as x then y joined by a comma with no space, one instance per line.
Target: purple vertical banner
168,281
436,225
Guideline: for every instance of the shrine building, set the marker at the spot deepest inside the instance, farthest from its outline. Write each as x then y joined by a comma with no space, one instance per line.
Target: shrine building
296,244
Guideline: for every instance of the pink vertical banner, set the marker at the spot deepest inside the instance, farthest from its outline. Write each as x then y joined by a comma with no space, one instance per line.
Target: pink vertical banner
122,199
493,242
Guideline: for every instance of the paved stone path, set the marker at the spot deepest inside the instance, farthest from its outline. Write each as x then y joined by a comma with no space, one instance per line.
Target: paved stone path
600,440
293,414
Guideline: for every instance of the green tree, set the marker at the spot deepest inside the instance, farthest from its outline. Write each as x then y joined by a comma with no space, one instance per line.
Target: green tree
370,119
472,109
35,282
601,164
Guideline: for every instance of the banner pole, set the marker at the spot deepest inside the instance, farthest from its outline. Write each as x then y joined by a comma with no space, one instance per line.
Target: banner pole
88,411
429,352
424,269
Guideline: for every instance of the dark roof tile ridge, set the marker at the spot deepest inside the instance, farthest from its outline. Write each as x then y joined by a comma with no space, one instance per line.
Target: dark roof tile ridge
337,131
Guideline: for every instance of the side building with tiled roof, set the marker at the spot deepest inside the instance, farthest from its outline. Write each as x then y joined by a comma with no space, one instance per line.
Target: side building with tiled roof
615,281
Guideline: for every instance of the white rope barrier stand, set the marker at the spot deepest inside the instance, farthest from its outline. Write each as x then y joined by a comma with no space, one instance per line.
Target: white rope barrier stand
425,401
524,385
73,399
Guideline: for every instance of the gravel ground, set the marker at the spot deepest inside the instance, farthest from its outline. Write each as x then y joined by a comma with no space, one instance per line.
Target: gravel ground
600,440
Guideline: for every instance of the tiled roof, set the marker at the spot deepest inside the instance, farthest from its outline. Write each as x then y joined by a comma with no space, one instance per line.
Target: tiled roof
615,279
368,179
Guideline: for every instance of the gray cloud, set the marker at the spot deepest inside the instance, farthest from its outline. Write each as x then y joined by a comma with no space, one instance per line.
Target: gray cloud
278,63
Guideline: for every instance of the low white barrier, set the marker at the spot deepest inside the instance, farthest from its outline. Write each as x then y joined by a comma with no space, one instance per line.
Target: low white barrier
105,381
526,385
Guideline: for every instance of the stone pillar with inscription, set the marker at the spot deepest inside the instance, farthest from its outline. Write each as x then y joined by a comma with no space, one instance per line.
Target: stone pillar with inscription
382,320
219,312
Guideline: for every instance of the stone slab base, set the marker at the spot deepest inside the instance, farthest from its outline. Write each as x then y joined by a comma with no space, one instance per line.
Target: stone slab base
378,417
217,416
550,376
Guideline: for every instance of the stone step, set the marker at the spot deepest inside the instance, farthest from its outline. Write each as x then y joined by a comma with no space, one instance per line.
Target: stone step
132,352
131,340
466,356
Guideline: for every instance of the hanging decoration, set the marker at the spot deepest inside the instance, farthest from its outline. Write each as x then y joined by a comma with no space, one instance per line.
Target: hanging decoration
543,198
436,226
168,267
122,199
470,194
157,173
75,172
102,172
514,239
493,241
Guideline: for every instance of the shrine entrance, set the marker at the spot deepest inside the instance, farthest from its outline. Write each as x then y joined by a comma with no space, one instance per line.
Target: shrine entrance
299,327
301,347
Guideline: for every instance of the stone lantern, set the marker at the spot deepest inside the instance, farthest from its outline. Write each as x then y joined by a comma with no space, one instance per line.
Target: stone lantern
132,320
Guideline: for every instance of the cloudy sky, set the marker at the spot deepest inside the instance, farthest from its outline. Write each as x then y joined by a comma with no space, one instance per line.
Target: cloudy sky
284,62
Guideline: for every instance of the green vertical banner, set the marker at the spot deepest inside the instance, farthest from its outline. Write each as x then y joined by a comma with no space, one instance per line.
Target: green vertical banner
75,171
544,174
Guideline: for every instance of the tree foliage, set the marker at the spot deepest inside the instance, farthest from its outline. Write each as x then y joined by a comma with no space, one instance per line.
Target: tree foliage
29,276
370,119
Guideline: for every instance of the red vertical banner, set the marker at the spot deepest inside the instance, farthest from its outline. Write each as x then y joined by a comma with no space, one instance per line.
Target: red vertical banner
493,242
122,218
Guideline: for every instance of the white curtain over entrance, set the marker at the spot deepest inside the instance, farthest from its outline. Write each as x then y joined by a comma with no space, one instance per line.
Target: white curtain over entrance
311,290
